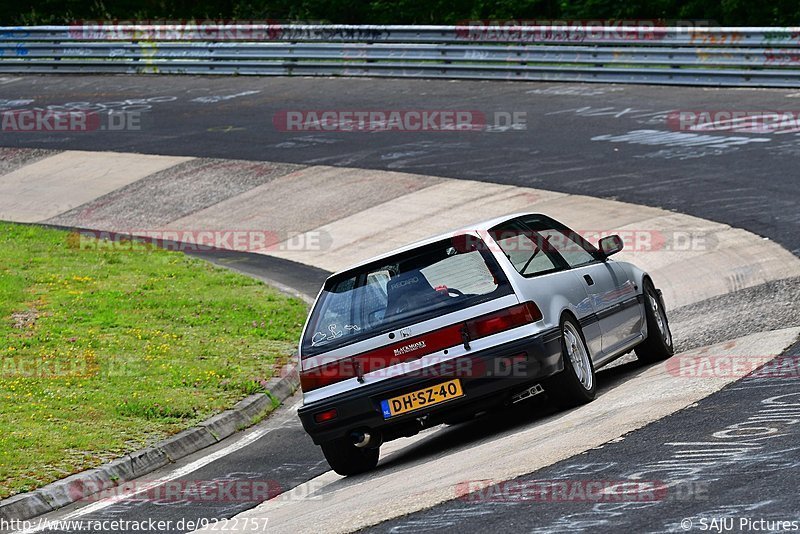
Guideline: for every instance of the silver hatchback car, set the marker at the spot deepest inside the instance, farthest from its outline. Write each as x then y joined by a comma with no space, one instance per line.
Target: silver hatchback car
440,330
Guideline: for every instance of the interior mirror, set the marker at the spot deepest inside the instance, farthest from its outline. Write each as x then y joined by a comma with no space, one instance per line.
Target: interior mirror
610,245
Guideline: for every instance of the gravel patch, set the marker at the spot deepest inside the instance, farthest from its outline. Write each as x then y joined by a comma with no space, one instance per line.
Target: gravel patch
769,306
12,159
762,308
165,196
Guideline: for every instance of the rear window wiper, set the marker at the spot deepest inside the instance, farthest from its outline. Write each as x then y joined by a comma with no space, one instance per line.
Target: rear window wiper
535,252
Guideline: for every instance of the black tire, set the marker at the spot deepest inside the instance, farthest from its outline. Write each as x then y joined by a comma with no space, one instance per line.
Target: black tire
658,344
347,459
567,388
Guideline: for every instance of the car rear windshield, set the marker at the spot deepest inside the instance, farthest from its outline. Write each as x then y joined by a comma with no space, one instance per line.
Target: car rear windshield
410,287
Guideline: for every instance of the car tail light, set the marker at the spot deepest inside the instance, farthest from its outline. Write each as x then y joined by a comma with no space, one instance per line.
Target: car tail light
525,313
327,415
327,374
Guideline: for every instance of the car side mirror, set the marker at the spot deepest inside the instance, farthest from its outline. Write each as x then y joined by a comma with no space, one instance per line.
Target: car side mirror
610,245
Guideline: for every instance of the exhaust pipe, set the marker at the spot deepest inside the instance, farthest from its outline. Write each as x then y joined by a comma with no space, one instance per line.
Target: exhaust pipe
361,439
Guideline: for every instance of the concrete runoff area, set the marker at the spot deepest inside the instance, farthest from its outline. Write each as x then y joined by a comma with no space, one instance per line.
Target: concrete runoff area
689,258
304,200
400,221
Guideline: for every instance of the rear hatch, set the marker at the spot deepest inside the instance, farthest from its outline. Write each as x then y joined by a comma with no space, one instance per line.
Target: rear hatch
398,309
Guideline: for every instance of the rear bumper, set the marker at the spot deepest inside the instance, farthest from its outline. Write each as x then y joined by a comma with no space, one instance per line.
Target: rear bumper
488,378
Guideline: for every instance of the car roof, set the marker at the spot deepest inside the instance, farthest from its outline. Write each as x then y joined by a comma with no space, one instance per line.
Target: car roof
482,226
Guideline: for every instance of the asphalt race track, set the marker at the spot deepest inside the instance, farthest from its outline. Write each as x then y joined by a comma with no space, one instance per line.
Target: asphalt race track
608,141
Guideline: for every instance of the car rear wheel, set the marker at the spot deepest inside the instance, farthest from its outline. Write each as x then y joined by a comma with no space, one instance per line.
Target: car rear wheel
658,344
575,385
347,459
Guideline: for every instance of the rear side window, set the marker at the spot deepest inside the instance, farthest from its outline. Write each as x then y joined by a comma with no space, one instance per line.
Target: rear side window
525,253
572,248
567,246
536,244
411,287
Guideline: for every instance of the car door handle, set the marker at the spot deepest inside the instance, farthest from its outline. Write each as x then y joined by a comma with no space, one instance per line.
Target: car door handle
588,279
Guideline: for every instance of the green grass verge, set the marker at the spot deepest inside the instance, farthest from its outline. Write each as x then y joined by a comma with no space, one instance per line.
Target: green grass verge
105,351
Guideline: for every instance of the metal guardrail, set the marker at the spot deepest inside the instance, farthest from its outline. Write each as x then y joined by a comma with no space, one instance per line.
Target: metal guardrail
765,57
